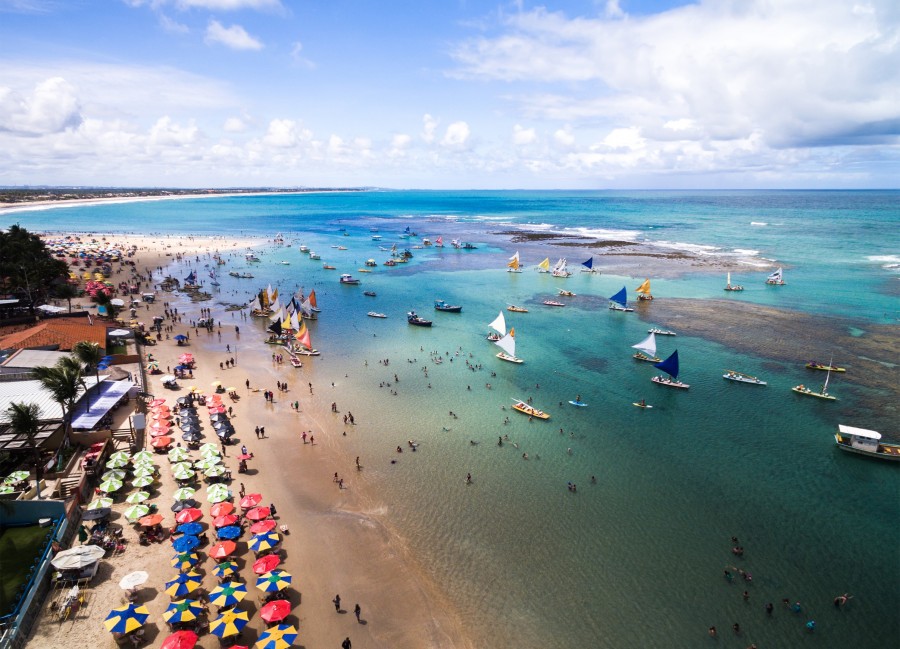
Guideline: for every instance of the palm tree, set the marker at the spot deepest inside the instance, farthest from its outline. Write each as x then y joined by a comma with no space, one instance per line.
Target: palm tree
91,354
24,419
63,381
66,291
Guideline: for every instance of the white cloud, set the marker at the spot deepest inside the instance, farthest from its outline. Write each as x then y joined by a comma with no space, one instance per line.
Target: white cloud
523,136
228,5
172,26
286,133
456,136
400,144
429,125
166,133
234,125
298,58
52,106
235,37
563,137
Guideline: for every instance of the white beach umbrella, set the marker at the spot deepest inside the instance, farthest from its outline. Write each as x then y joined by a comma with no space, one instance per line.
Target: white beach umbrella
137,497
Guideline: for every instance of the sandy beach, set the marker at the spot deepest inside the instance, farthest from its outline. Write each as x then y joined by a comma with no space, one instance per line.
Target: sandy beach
335,544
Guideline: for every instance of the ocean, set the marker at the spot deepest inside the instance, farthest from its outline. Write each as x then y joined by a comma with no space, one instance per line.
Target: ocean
634,558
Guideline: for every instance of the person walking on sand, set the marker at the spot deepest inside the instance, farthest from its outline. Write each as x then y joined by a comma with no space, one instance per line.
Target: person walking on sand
356,611
346,644
337,603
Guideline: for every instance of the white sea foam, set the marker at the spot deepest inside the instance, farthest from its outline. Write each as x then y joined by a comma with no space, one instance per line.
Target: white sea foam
888,262
759,223
696,248
746,252
600,233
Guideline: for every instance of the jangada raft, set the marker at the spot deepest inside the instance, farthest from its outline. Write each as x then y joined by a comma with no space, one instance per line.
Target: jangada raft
670,367
525,409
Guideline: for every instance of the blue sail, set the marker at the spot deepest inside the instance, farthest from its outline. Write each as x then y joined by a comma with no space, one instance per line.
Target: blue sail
670,365
589,264
620,298
191,278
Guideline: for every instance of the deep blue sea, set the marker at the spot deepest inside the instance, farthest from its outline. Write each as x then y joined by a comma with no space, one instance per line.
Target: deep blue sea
636,559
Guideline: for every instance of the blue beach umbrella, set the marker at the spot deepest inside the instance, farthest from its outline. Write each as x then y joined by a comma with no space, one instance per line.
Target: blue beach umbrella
231,532
190,528
267,541
277,637
186,543
180,337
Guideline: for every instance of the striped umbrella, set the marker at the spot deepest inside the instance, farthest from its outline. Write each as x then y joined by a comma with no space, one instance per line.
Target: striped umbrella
263,542
145,471
145,481
116,463
126,619
184,584
137,497
183,466
222,549
185,493
6,489
141,456
250,500
217,493
187,610
114,474
178,454
16,476
209,449
228,594
182,474
214,471
111,485
261,527
225,569
272,582
120,455
277,637
258,513
185,561
229,623
207,463
136,511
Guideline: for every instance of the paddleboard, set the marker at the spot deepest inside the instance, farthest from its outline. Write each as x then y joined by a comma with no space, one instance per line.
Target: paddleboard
580,404
641,406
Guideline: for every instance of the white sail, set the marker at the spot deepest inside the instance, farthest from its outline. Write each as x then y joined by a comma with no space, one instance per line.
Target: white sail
507,344
295,322
276,314
499,324
776,276
728,282
255,305
276,305
647,345
306,307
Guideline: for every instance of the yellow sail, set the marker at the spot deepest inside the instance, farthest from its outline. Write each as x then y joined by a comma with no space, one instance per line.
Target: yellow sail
644,288
545,265
514,261
512,332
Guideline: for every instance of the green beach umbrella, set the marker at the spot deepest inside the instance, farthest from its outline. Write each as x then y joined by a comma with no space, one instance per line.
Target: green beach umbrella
144,481
114,474
144,471
137,497
209,449
207,462
136,511
144,463
111,485
178,454
141,456
116,462
124,455
100,503
183,474
186,466
185,493
16,476
214,471
185,561
6,489
228,594
217,493
186,610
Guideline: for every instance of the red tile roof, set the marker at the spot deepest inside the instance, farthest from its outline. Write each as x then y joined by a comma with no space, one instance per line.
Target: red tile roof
61,332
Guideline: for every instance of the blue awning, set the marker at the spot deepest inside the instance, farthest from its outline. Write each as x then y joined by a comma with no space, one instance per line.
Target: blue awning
101,400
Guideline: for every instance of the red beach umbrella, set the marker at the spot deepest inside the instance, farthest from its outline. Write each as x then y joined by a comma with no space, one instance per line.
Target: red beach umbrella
159,432
188,515
180,640
262,527
250,500
221,509
266,564
244,456
217,410
157,402
258,513
161,442
225,520
151,520
275,611
222,549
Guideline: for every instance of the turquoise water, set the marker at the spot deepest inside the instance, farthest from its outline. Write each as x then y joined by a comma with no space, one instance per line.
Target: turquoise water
636,559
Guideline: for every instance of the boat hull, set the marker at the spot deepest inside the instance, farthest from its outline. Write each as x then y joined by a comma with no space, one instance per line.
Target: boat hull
824,368
516,309
616,307
525,409
509,359
643,357
669,383
449,309
810,393
373,314
890,452
737,378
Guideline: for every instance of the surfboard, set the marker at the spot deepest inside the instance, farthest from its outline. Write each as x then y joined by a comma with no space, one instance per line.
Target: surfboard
580,404
641,406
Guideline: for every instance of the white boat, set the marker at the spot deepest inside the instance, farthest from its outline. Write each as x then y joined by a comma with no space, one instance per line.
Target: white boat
348,279
865,442
588,266
670,367
285,263
375,314
732,287
251,257
740,377
508,345
314,255
304,248
560,270
661,332
776,278
646,349
513,265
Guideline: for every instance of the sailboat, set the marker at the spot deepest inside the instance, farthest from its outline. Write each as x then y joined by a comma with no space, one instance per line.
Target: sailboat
670,367
802,389
498,325
544,266
508,345
312,301
643,291
513,265
439,242
560,270
588,266
732,287
646,349
776,278
619,301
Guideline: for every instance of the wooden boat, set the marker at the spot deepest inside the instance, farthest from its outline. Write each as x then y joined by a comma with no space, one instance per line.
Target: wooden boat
865,442
776,278
375,314
513,265
670,367
647,349
328,267
732,287
813,365
553,303
565,293
415,320
499,327
508,344
348,279
516,309
525,409
588,266
561,269
661,332
440,305
640,404
802,389
643,291
369,293
619,301
296,362
740,377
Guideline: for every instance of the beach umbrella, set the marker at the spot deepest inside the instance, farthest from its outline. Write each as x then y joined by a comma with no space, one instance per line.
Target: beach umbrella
193,529
184,584
225,433
217,410
229,623
144,471
185,493
111,485
120,455
266,564
161,442
225,569
183,475
216,384
183,466
6,489
250,500
180,505
180,337
209,449
228,594
178,454
187,610
133,579
96,514
144,481
230,532
214,471
220,509
180,640
222,549
136,511
78,557
207,463
160,431
116,463
142,455
273,581
258,513
263,542
102,502
185,543
192,436
225,520
275,611
114,474
184,561
151,520
157,402
281,636
261,527
126,619
245,456
137,497
217,493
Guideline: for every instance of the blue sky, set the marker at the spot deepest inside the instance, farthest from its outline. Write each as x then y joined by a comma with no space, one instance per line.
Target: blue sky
464,94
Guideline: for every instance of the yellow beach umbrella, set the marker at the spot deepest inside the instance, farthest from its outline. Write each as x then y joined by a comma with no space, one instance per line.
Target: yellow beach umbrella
126,619
229,623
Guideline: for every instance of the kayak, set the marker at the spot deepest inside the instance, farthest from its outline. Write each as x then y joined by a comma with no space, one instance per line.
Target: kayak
640,405
580,404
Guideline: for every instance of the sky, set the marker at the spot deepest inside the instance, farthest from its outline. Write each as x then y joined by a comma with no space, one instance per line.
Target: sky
451,94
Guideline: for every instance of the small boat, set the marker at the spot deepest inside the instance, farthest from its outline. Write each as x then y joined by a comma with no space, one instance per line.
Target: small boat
414,319
865,442
661,332
641,404
647,349
302,351
513,266
348,279
776,278
328,267
566,293
732,287
670,367
304,248
588,266
499,327
516,309
375,314
251,257
560,270
363,270
525,409
426,241
814,365
341,247
315,256
440,305
619,301
580,404
802,389
369,293
643,291
285,263
370,262
296,362
376,237
508,344
390,262
553,303
469,246
740,377
544,266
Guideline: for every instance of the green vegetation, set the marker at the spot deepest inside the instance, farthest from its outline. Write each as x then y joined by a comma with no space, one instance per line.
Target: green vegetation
19,548
27,269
